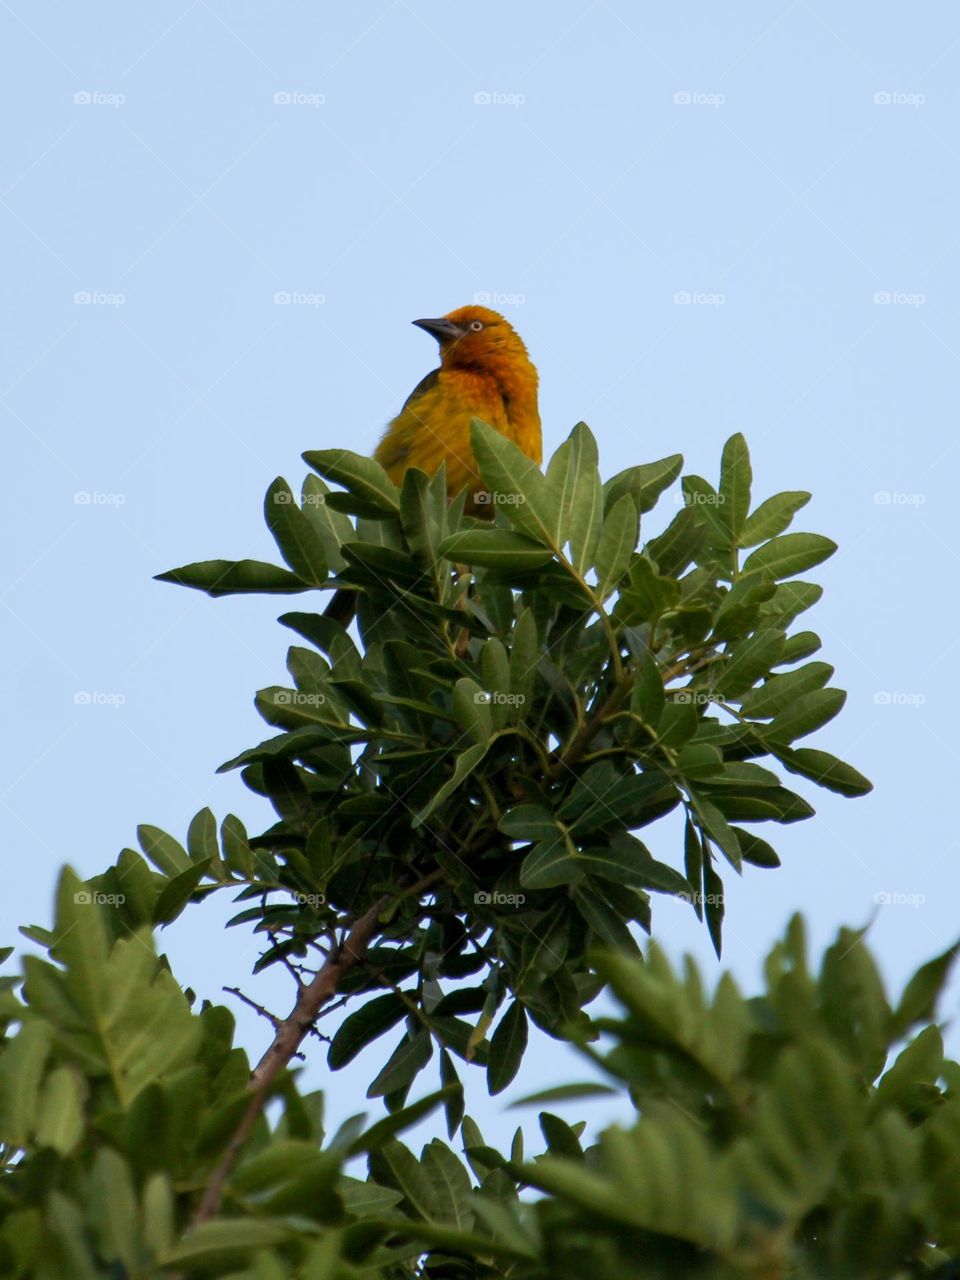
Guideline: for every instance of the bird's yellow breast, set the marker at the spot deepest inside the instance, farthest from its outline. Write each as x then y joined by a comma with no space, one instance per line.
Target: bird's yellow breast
434,427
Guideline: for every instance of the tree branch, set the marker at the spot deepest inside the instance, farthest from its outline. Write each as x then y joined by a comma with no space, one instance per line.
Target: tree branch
290,1033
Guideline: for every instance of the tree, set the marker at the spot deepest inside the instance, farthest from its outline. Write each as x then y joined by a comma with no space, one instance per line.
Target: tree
455,854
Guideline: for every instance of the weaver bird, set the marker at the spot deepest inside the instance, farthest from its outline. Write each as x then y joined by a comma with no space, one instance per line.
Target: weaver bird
484,373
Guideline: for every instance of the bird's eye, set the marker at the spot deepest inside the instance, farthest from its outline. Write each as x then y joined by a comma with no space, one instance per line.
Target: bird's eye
476,325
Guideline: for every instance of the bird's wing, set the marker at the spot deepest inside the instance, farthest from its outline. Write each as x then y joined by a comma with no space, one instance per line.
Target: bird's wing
423,385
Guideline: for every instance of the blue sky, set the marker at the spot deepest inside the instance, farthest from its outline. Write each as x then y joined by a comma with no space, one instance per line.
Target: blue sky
791,171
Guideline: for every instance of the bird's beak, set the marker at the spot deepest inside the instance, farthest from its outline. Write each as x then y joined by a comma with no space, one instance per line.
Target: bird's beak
442,329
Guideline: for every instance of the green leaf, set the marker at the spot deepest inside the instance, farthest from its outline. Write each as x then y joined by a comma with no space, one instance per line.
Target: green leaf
166,854
517,484
176,893
790,554
747,661
582,513
465,765
799,646
364,1026
472,708
524,656
22,1066
644,483
235,577
495,549
560,1138
647,697
386,1130
408,1059
202,838
361,476
60,1118
648,596
507,1047
552,862
715,825
735,480
115,1211
616,544
679,543
298,541
918,1003
779,691
529,822
772,517
809,712
826,770
565,1093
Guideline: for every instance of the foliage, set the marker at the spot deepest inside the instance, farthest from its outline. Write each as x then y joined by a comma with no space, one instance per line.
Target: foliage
507,731
458,796
811,1131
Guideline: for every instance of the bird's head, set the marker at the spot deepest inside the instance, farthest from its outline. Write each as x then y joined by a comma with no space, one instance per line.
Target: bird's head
479,339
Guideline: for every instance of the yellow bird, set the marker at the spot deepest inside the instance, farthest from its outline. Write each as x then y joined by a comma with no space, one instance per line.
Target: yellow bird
485,372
